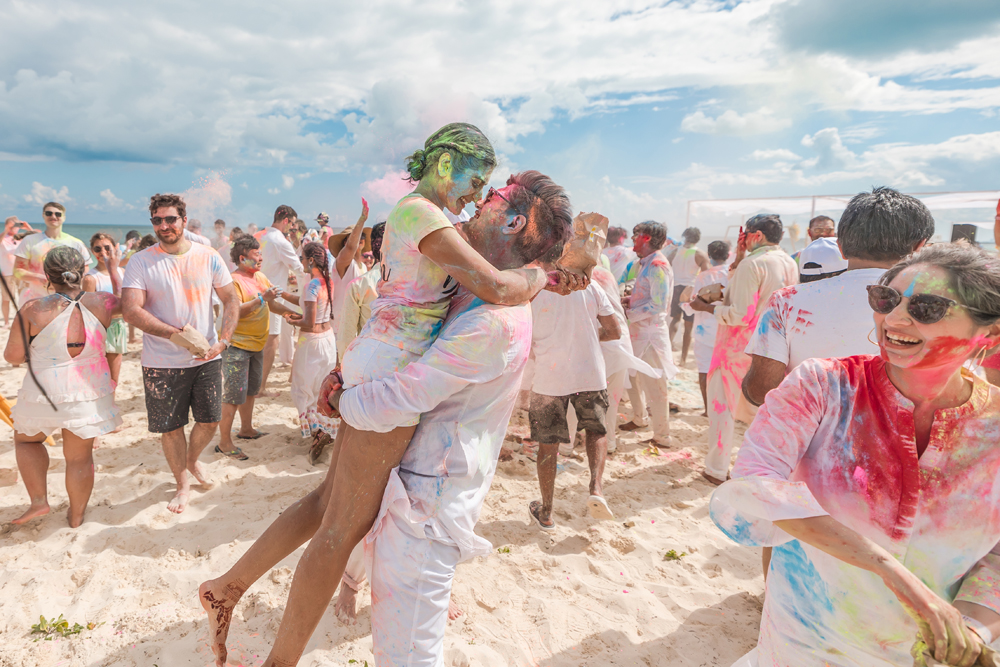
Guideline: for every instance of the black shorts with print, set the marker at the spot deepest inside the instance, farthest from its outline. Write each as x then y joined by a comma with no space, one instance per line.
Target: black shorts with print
547,415
172,392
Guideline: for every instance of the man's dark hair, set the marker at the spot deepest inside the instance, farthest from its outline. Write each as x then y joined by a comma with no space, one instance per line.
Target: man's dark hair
656,231
159,201
547,209
147,241
883,225
718,251
218,222
616,234
55,204
378,232
284,211
132,234
241,247
821,219
691,234
767,223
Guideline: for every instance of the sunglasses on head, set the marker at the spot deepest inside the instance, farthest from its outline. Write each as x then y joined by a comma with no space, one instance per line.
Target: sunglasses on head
170,219
53,214
924,308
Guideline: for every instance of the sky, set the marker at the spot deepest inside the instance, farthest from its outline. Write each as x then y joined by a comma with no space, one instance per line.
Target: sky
635,107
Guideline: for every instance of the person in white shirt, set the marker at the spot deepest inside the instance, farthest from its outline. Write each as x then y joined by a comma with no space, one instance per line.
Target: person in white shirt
618,255
193,233
278,257
168,288
361,292
705,324
688,261
346,249
647,308
567,331
7,245
764,270
221,239
29,255
464,383
819,320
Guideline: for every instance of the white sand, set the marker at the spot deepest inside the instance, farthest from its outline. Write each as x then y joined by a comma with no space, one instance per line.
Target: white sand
588,594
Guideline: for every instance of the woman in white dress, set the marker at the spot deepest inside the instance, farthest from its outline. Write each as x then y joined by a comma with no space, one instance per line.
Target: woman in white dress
68,386
98,279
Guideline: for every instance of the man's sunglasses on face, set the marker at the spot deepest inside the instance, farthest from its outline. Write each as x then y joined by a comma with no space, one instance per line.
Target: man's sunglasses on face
170,219
53,214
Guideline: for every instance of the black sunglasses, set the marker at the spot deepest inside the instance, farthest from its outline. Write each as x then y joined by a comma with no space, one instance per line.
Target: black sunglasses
924,308
493,191
53,214
170,219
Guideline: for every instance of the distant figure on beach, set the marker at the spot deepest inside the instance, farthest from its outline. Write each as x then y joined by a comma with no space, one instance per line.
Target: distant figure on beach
221,240
98,279
617,253
29,256
65,342
167,293
8,244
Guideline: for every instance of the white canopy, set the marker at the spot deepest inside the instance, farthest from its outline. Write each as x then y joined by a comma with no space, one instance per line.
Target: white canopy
827,203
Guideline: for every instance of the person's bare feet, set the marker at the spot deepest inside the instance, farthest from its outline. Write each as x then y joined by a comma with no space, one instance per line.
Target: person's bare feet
33,512
454,611
199,474
218,601
179,502
346,607
267,393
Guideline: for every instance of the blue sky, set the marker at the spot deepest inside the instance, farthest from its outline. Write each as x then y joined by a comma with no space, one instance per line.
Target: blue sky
636,107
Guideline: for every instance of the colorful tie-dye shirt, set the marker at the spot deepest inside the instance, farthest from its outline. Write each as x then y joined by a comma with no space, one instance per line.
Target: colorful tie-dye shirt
316,292
463,390
619,256
836,438
414,292
649,310
179,291
33,249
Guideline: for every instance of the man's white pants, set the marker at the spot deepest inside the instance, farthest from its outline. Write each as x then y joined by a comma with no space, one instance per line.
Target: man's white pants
653,391
725,404
411,585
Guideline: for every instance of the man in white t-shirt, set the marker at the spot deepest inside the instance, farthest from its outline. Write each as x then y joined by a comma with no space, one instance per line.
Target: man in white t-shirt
705,324
688,261
831,317
566,336
193,233
278,257
618,255
167,292
29,255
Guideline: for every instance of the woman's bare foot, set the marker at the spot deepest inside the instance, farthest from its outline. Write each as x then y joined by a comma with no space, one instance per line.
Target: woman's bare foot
218,601
33,512
199,474
346,607
454,611
179,502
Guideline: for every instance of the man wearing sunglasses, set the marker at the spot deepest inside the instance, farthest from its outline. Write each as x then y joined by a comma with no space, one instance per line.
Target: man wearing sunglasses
29,256
764,269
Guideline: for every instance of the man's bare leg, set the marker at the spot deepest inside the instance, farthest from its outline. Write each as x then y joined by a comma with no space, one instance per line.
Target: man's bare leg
289,531
33,462
686,342
226,427
363,467
246,418
201,435
270,350
597,454
175,451
546,467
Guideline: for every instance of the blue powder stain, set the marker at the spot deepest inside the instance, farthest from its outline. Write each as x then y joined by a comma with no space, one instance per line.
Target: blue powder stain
765,322
699,330
909,290
806,596
739,531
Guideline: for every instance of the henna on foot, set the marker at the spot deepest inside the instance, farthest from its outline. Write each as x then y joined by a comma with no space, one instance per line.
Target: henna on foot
218,601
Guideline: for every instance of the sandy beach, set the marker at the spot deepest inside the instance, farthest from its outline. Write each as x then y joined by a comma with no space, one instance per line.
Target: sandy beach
588,593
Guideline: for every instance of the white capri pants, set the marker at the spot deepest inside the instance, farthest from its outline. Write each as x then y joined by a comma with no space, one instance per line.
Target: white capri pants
411,585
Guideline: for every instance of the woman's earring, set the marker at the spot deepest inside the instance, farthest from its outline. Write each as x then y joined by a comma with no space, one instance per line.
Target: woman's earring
981,356
873,342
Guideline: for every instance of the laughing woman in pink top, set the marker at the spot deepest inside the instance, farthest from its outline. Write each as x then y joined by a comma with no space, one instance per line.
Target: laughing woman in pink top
875,480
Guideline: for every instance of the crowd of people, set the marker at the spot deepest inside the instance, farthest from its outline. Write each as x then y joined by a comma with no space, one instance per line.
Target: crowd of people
862,366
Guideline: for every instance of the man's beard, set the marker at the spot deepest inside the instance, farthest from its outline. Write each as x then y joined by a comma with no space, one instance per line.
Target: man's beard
163,238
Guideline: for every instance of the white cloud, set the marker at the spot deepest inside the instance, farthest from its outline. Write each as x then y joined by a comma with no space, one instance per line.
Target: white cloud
273,191
288,181
732,123
40,194
776,154
112,201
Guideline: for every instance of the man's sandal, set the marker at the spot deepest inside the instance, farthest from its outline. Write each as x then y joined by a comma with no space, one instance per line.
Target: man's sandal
236,454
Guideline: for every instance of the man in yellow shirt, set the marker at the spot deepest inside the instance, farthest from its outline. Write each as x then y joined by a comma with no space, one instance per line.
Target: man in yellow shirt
243,360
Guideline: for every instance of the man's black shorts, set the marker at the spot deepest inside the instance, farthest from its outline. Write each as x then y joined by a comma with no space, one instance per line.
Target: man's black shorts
171,392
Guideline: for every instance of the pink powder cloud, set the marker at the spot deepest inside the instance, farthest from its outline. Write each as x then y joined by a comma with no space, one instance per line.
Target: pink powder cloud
390,188
208,197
